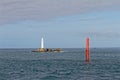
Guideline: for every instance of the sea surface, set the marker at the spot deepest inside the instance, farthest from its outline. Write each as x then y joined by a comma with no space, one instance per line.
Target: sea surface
22,64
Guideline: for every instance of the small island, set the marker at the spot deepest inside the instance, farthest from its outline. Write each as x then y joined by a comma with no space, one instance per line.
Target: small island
42,49
47,50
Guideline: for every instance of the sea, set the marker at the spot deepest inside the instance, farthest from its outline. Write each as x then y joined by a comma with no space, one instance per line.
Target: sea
70,64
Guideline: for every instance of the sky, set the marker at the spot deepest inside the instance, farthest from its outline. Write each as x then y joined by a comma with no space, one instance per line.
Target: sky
63,23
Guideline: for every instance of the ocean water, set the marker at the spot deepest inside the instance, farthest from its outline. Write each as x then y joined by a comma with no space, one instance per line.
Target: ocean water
22,64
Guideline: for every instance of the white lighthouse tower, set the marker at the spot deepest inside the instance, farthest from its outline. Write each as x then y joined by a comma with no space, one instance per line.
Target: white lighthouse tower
42,42
42,49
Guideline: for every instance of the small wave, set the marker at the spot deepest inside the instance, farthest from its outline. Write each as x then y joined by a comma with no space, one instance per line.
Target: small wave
51,77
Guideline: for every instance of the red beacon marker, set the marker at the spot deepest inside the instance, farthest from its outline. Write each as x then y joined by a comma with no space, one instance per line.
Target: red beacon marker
87,50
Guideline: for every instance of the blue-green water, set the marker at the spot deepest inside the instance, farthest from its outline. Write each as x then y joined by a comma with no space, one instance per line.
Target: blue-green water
22,64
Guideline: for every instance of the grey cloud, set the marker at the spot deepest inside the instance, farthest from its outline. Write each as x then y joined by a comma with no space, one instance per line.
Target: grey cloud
101,34
15,10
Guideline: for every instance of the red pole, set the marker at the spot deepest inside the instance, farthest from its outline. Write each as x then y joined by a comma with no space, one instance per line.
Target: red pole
87,50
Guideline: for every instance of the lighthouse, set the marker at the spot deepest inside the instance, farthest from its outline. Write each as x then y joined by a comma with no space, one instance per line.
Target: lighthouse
42,49
42,42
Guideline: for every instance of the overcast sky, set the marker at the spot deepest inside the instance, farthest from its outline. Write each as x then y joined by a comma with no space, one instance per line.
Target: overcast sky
64,23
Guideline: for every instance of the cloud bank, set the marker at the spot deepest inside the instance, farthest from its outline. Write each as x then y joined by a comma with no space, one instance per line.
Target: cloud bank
16,10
